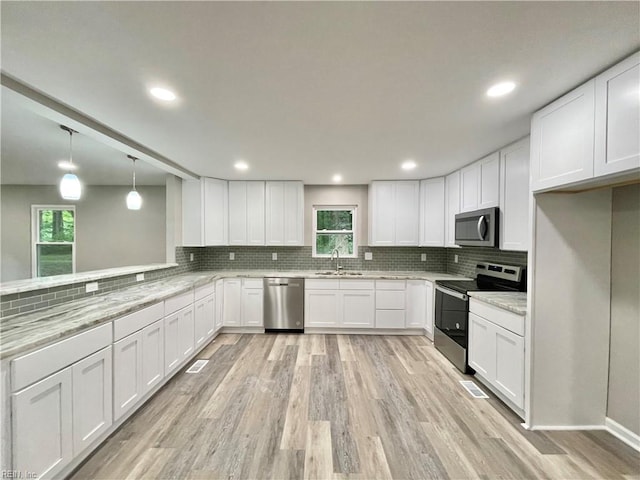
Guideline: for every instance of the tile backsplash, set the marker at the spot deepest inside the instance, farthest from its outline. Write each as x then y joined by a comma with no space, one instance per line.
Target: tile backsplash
299,258
469,256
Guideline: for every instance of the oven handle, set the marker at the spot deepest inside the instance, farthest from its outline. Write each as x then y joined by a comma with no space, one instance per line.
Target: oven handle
446,291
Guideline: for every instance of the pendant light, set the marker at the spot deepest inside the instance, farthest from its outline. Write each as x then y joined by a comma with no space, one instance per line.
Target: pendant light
134,200
70,187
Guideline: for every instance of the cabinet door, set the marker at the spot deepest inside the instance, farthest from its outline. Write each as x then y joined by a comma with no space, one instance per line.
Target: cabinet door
232,301
192,213
407,213
127,374
255,213
382,214
219,304
430,307
489,171
416,305
186,332
210,309
358,308
201,321
252,307
617,139
482,356
237,213
293,213
42,425
562,136
215,212
469,187
152,355
514,201
390,318
432,212
92,398
321,308
452,207
172,355
274,210
509,361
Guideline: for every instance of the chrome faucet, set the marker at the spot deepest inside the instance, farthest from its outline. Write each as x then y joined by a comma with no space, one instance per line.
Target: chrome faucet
337,253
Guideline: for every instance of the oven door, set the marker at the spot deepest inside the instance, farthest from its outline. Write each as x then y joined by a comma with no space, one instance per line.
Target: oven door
452,314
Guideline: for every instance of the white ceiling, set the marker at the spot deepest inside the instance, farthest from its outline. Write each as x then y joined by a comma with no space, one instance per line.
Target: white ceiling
303,90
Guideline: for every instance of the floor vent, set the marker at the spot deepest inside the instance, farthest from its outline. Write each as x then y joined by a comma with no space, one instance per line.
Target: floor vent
473,389
197,366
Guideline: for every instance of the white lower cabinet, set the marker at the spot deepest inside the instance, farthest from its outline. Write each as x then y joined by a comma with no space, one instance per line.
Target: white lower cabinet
127,374
186,332
232,302
92,398
357,308
497,354
43,425
430,311
219,304
391,303
172,355
416,303
152,355
348,303
252,307
321,308
204,317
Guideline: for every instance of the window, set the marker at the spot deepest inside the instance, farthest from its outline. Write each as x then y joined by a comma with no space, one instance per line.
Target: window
334,227
54,237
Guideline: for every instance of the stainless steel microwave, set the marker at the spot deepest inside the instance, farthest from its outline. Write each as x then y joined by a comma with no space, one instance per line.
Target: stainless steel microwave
478,228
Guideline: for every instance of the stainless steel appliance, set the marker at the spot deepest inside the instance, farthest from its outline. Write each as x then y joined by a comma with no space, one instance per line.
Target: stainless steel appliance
451,334
284,304
478,228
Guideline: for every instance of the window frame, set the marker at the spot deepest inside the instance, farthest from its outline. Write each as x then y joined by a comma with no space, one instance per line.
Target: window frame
35,230
353,231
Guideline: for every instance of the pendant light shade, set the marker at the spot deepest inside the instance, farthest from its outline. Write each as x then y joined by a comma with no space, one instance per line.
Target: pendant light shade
134,200
70,187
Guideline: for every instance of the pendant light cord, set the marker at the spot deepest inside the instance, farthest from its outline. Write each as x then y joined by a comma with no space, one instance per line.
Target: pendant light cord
134,174
70,147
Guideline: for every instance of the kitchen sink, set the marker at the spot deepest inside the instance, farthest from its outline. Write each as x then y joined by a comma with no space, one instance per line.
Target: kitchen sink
341,274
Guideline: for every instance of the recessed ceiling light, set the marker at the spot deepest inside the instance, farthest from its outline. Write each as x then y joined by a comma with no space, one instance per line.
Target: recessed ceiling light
163,94
66,165
241,165
500,89
409,165
337,178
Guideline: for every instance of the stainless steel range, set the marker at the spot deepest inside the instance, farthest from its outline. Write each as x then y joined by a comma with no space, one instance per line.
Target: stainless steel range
452,307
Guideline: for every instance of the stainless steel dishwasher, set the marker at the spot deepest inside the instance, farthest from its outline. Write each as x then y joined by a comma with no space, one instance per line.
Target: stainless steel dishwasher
284,304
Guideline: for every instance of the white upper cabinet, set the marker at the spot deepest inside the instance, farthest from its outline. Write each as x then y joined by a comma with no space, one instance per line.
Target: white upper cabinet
562,140
204,212
284,206
514,199
394,213
452,207
432,212
480,184
246,213
617,135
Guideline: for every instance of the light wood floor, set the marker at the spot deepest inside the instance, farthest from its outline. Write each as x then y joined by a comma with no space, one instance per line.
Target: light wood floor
340,407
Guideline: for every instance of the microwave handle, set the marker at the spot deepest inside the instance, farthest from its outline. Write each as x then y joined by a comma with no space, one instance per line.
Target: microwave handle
482,227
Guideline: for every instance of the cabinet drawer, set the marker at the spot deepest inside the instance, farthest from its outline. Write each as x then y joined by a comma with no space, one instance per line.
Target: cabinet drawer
390,284
137,321
357,284
41,363
504,318
390,299
252,283
178,302
389,318
321,284
204,291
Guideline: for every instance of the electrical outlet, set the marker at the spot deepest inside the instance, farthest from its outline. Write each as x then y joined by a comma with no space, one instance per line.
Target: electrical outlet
274,256
455,259
191,257
232,256
368,255
423,257
139,277
91,287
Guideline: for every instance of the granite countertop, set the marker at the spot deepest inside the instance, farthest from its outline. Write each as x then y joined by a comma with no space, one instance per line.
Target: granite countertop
30,284
24,332
515,302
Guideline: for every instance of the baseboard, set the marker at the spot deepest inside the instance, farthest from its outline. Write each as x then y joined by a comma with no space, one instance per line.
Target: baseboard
242,330
567,427
623,433
364,331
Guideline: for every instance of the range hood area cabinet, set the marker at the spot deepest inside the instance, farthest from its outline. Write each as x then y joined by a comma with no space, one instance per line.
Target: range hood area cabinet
591,132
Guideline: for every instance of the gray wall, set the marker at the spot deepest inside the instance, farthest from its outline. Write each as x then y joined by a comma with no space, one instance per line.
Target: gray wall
624,357
107,234
337,195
